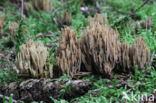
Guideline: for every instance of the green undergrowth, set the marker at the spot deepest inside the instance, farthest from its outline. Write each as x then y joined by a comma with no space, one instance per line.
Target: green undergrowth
115,10
6,74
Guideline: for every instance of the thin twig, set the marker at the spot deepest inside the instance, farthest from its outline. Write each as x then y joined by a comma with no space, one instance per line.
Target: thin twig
129,90
22,8
152,57
81,74
54,41
56,10
143,4
132,13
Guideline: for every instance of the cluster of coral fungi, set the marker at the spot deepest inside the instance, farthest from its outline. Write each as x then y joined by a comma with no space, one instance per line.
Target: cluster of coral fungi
100,47
64,19
45,5
32,60
68,55
12,30
99,50
135,54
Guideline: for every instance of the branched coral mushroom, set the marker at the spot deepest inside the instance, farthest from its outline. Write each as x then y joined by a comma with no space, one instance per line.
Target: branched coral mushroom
28,8
135,54
125,56
64,19
68,53
36,4
1,24
97,18
141,55
45,5
12,30
32,60
100,47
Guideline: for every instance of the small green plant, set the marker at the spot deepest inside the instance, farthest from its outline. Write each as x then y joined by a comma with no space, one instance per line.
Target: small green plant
58,101
21,35
8,101
64,77
8,75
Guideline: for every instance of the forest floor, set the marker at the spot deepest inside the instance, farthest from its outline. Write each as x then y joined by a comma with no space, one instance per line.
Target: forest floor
46,26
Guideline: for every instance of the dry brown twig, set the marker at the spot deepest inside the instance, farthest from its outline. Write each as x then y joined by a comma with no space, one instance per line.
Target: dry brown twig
152,57
132,13
142,5
81,74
